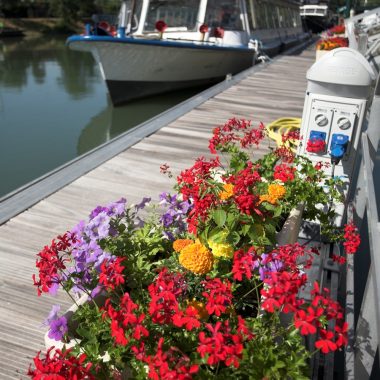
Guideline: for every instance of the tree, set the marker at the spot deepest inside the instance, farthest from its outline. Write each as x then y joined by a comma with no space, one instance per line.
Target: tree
67,10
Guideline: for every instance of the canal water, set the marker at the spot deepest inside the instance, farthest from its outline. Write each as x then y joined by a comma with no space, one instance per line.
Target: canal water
54,107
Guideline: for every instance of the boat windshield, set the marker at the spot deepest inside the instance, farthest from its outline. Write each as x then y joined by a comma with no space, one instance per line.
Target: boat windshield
224,13
176,14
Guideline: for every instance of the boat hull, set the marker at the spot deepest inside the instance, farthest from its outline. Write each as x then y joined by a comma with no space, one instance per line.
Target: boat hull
122,92
134,68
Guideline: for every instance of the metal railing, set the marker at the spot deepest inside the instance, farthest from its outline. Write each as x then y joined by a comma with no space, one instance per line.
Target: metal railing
363,270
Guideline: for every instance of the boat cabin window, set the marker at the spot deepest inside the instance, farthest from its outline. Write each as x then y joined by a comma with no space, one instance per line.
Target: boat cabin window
263,19
251,14
224,13
176,14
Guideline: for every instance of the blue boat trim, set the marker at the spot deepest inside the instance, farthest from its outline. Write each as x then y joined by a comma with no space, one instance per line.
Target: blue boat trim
166,43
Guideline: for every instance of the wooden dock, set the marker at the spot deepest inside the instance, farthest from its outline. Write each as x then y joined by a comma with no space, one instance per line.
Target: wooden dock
277,90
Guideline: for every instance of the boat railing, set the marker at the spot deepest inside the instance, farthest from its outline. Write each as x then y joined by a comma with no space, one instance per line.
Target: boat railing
365,24
363,32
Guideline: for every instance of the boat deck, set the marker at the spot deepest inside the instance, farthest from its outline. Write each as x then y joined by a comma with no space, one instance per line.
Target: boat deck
277,90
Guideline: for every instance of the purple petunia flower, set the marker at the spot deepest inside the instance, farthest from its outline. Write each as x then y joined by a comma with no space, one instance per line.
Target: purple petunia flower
184,206
54,288
58,328
52,315
175,215
96,211
169,235
95,292
143,203
98,227
167,219
78,231
267,266
116,208
163,198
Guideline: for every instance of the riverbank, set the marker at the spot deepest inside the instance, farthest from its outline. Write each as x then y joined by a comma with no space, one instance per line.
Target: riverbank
33,27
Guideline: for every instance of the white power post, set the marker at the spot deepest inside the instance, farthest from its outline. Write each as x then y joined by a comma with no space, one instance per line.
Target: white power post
340,85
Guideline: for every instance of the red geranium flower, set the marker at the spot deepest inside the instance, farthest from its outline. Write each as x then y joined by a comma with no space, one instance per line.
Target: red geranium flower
352,237
284,173
112,273
243,264
60,365
326,344
51,264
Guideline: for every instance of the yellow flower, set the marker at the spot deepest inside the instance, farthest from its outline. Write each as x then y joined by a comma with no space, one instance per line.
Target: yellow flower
180,244
227,192
221,249
275,192
196,258
199,308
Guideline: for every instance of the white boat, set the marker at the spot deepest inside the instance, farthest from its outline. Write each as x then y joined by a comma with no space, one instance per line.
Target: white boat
316,17
165,45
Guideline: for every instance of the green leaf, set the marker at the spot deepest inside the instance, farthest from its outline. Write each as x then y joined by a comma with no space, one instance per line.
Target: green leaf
277,212
219,217
85,333
218,235
93,348
245,229
255,232
269,228
235,238
263,240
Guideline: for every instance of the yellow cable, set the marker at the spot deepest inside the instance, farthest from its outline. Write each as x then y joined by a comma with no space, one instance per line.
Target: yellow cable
282,126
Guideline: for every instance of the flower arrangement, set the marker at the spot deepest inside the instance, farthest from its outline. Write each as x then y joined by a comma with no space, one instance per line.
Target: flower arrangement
337,29
196,288
332,43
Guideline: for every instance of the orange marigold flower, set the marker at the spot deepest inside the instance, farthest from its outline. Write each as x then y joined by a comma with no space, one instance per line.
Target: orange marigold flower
200,309
228,191
196,258
180,244
275,192
268,198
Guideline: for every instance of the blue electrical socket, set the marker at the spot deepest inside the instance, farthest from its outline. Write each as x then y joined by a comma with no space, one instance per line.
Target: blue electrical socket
338,145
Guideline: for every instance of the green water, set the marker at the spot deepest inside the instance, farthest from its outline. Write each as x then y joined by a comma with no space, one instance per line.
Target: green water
54,107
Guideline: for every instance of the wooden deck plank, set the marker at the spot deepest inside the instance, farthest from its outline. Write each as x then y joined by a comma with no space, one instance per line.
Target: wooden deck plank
276,91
